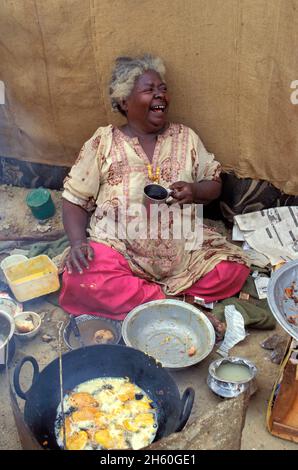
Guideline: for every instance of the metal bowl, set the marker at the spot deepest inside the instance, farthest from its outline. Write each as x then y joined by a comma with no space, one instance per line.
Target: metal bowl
284,309
35,318
7,346
87,326
168,330
10,305
229,388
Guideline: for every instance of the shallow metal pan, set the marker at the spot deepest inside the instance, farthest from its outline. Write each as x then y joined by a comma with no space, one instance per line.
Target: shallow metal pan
282,307
167,330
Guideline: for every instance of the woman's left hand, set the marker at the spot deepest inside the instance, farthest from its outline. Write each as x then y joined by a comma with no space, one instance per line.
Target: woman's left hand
183,193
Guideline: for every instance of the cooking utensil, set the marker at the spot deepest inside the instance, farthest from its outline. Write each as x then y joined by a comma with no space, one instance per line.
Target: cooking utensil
175,333
7,327
284,308
76,330
61,384
10,305
80,365
86,326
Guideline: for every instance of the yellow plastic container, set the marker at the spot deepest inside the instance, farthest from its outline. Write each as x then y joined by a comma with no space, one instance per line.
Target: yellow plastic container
33,278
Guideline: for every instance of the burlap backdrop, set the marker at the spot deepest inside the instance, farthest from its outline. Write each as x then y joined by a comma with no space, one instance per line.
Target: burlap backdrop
230,65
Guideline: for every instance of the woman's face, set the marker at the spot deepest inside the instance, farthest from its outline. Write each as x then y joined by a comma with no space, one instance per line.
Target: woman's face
147,105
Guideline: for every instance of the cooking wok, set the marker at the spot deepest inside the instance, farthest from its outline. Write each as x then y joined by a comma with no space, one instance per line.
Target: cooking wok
83,364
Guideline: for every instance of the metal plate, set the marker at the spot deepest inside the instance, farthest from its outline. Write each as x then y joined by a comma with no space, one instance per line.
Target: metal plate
167,329
10,305
88,325
282,307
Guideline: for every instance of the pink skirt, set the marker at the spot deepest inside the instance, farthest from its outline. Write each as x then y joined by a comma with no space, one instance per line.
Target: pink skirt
110,289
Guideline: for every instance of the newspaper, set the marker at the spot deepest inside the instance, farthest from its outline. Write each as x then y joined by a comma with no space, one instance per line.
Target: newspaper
272,232
235,330
237,234
256,258
261,283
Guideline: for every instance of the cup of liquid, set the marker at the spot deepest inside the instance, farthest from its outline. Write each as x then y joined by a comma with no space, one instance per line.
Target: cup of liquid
156,194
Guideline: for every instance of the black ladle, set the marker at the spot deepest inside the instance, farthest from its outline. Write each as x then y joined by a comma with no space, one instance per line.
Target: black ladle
76,331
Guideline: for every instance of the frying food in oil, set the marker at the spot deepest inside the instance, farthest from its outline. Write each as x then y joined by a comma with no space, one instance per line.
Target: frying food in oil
106,413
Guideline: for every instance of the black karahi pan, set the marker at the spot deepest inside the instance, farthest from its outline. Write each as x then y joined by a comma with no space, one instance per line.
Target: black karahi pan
83,364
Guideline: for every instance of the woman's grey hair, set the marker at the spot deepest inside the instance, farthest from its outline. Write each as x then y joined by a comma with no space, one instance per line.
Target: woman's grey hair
125,73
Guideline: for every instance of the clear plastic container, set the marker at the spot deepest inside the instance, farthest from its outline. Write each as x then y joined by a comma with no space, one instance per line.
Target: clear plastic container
32,278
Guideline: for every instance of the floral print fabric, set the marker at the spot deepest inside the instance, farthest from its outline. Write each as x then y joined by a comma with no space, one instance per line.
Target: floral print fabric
112,171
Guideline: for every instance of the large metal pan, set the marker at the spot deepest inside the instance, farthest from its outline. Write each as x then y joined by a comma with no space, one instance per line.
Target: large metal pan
283,308
168,330
83,364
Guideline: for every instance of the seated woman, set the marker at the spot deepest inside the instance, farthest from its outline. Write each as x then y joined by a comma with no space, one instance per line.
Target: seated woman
106,275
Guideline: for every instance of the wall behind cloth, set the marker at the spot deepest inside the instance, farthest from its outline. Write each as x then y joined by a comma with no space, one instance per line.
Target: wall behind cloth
230,65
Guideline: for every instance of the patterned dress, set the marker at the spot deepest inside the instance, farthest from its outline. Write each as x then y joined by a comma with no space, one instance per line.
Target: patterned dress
111,172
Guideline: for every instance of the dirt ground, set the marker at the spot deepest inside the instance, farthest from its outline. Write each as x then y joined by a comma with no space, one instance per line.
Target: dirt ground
17,221
255,435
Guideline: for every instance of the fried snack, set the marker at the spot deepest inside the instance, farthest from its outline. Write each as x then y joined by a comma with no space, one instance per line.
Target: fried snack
103,336
144,419
191,352
24,326
104,439
129,425
77,441
87,413
128,392
81,399
140,406
113,412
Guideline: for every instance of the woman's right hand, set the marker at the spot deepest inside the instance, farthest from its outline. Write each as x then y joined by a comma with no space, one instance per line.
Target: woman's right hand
80,253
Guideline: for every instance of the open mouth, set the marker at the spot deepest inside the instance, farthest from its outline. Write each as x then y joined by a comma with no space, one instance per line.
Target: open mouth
159,108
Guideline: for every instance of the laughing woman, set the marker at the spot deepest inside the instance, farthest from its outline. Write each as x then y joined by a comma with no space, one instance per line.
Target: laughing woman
109,276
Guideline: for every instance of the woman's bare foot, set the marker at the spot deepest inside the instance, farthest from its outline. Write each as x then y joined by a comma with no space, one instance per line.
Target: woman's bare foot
219,326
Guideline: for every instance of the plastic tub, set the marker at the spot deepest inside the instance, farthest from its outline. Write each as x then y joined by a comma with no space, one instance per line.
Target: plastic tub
41,203
32,278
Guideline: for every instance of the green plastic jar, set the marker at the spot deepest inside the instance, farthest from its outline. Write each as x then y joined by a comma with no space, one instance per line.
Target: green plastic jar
41,204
